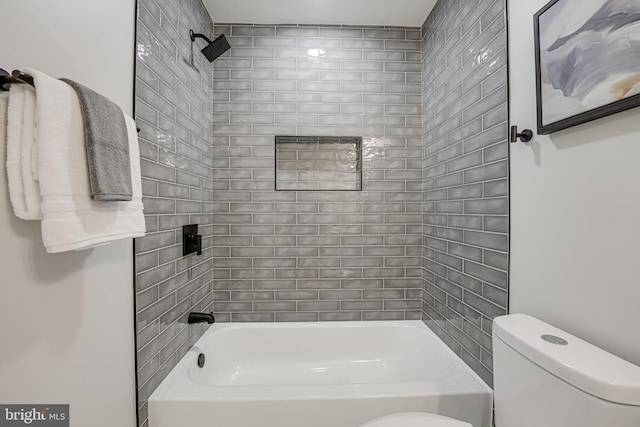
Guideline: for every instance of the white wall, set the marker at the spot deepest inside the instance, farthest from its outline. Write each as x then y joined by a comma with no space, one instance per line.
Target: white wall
66,320
575,213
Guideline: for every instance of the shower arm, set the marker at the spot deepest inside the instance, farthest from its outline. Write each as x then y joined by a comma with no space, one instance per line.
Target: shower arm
195,36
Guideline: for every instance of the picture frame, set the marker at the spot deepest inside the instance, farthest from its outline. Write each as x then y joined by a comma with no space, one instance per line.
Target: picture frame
587,56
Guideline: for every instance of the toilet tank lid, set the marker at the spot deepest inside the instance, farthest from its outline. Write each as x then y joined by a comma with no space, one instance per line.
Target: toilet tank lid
578,363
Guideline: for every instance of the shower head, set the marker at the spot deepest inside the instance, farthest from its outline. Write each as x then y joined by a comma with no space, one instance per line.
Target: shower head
214,48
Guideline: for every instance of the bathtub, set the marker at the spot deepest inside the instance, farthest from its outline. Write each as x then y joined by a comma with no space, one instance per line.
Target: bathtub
317,375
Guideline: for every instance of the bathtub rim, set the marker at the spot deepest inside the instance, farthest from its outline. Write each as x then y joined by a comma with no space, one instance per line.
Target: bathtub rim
174,387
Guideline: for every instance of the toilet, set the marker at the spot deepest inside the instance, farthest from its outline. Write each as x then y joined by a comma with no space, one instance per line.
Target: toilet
544,376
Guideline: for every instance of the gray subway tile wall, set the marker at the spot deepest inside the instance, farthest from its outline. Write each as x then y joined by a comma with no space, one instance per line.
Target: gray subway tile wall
173,112
466,175
317,255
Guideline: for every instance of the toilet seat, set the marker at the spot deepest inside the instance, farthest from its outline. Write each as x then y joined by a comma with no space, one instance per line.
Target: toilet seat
415,419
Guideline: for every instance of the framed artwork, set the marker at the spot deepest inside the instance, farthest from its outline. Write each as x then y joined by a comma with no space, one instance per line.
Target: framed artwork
587,61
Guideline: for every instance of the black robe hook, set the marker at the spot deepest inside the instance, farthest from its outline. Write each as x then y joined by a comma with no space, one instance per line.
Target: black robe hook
525,136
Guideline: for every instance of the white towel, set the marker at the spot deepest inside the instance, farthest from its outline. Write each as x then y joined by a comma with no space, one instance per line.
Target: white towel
71,219
29,154
24,191
14,140
4,105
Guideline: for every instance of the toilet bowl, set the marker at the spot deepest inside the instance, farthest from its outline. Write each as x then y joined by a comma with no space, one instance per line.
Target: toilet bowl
539,366
415,419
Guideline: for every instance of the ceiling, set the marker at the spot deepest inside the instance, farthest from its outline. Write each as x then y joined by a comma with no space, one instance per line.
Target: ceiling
403,13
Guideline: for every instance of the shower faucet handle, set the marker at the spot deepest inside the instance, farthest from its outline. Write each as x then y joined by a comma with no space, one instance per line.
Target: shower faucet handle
191,240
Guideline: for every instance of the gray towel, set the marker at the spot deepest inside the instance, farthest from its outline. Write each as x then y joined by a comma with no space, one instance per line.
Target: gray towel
107,145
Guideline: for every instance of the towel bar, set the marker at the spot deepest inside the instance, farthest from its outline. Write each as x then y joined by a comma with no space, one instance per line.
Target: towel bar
16,77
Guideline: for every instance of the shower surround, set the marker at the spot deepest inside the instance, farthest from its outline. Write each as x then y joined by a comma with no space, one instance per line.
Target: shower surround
425,239
173,112
466,175
317,255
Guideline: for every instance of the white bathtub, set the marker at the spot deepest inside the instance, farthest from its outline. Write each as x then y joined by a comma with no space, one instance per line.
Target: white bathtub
317,375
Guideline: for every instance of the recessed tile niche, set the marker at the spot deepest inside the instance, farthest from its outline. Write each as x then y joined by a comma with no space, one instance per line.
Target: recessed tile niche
318,163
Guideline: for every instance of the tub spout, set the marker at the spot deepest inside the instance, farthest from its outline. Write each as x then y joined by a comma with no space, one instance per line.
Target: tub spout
201,318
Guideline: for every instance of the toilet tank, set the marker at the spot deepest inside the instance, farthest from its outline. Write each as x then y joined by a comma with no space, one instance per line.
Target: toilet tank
559,380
